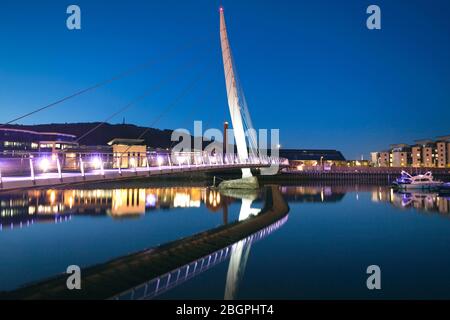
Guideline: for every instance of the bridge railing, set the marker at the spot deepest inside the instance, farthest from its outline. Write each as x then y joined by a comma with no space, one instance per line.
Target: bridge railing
57,164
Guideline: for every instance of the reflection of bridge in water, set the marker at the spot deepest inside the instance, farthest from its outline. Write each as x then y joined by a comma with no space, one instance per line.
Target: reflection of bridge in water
165,265
180,275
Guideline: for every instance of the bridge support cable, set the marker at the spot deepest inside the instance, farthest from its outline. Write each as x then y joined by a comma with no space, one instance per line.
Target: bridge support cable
243,107
151,90
175,102
116,77
166,109
201,99
170,106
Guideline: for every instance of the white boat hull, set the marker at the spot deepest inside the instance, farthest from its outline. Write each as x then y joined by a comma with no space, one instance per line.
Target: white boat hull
418,186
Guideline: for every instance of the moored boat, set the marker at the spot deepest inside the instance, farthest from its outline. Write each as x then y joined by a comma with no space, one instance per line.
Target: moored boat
445,188
421,181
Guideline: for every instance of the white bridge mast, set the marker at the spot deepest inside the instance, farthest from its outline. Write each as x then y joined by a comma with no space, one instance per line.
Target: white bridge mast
236,101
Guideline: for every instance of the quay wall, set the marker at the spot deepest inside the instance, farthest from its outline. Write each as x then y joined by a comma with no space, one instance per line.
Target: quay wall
352,174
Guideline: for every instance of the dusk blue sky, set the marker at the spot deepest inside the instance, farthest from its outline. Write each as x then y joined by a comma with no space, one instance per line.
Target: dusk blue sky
310,68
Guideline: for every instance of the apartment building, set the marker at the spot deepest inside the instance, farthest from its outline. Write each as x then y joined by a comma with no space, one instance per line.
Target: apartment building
416,156
443,151
423,154
384,159
400,155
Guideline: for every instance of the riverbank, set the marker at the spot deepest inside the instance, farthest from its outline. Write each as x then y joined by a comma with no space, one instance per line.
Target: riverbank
365,175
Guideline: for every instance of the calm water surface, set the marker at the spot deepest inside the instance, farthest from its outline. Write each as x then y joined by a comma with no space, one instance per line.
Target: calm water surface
322,251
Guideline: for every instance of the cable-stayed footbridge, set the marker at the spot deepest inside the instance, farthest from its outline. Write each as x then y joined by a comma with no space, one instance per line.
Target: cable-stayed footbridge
25,169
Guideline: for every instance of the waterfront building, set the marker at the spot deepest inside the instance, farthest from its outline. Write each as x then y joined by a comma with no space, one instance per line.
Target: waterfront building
299,158
443,151
424,153
416,156
18,140
428,153
129,153
374,156
384,159
400,155
90,154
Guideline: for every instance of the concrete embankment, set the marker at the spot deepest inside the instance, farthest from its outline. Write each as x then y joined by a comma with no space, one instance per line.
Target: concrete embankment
362,176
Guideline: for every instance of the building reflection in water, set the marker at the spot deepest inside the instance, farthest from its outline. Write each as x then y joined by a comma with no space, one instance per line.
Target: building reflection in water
24,208
314,193
423,201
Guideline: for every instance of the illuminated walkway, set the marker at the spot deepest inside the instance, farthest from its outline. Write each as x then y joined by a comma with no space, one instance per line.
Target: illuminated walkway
55,179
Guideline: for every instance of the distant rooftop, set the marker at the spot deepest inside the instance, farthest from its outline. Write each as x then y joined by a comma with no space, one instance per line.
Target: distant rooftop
311,154
424,141
126,142
444,138
399,145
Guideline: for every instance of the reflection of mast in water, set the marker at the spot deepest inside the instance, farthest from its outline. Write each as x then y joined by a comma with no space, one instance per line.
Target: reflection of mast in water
240,250
225,214
236,268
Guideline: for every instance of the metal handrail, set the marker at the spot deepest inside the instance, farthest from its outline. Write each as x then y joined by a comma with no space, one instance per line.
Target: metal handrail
33,165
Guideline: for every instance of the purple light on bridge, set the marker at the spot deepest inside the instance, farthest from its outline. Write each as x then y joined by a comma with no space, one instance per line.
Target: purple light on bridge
96,162
159,160
44,164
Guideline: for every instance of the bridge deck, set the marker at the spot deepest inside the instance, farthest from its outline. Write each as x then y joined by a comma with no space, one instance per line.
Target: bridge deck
55,180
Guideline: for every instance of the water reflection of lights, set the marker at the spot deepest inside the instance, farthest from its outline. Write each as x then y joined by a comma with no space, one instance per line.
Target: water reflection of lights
52,197
184,200
150,200
114,202
28,222
312,193
214,198
420,200
128,202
